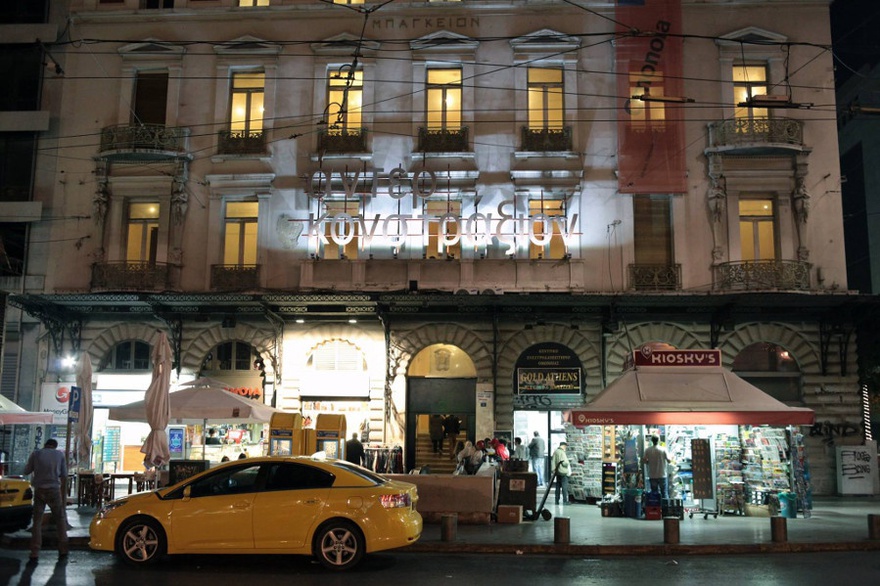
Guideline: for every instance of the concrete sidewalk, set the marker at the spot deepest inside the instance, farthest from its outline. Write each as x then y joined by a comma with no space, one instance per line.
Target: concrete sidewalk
836,524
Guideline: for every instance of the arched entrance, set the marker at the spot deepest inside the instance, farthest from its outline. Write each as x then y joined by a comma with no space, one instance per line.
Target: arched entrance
441,380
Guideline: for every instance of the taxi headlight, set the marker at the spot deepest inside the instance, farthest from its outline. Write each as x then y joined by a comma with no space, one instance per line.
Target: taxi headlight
394,501
109,507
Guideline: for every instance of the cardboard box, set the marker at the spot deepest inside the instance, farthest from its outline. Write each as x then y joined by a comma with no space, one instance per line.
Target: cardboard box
510,514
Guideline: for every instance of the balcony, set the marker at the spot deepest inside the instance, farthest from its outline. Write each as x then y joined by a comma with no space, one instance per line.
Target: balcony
235,277
443,140
343,140
646,277
757,135
546,139
143,142
130,276
757,275
240,142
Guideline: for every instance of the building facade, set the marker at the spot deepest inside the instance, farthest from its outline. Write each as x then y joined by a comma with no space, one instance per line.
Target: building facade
393,210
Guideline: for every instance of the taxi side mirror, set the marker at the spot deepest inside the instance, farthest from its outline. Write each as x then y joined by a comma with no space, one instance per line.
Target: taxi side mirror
187,492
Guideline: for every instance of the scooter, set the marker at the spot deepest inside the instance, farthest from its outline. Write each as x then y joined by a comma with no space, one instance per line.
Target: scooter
541,512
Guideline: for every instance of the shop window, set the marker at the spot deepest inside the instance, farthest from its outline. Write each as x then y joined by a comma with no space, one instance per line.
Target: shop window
772,369
128,355
237,356
142,232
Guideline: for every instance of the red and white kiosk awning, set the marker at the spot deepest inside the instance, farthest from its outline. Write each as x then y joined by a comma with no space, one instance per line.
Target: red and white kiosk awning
684,387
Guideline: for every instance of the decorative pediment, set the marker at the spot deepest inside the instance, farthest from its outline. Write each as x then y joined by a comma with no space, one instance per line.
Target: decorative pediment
151,49
752,35
247,45
545,40
445,42
345,44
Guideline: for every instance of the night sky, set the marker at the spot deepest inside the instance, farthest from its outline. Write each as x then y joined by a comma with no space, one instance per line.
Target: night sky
855,30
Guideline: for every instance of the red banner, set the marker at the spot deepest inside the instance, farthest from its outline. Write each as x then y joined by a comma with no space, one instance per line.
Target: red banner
651,143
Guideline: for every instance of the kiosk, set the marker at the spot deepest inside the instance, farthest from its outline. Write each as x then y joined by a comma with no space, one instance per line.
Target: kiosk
330,435
286,434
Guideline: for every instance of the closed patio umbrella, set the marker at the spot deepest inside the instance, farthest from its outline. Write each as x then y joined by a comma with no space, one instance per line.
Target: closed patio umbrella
84,425
157,405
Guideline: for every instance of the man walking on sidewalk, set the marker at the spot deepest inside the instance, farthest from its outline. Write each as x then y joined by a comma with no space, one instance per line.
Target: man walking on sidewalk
49,477
536,457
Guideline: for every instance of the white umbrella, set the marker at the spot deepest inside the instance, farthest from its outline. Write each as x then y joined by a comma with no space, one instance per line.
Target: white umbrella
12,414
157,406
84,425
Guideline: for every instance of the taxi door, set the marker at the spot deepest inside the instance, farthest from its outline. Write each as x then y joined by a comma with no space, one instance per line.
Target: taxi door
293,501
218,512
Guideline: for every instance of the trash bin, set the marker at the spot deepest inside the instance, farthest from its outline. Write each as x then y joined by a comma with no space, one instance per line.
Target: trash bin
632,503
788,505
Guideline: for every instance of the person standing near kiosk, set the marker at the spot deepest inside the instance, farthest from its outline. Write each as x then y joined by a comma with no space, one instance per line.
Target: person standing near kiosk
657,460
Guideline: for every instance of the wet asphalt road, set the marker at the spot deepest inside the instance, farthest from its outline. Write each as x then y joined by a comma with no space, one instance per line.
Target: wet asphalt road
85,568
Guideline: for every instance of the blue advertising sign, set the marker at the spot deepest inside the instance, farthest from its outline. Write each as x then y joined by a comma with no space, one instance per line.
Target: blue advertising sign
175,441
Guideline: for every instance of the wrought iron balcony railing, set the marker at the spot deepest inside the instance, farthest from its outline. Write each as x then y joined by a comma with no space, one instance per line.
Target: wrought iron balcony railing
778,132
343,140
130,276
235,277
753,275
655,277
443,140
143,141
239,142
546,139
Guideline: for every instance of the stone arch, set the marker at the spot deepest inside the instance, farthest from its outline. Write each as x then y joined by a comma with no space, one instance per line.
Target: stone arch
361,339
414,341
804,352
109,337
622,344
193,354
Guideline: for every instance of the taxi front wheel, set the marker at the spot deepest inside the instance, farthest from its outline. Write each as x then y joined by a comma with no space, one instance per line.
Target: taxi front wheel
339,545
141,542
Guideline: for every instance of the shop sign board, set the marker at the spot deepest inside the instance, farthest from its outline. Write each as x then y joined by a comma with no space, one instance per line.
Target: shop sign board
548,369
649,357
55,399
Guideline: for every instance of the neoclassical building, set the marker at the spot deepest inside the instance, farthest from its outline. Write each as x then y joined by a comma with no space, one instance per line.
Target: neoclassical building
393,211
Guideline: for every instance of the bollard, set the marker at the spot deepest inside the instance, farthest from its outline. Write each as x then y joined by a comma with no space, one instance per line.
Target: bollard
778,529
448,527
562,530
670,530
873,526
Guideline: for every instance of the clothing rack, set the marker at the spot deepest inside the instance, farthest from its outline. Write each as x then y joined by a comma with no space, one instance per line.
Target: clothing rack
384,459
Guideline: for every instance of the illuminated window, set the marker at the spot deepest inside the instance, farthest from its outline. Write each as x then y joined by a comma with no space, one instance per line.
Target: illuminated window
749,81
547,231
348,1
345,100
346,232
253,3
240,233
444,99
545,98
647,114
246,105
757,229
443,231
142,232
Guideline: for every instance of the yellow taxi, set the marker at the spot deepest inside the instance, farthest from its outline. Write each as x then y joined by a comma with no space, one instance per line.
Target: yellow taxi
16,503
330,509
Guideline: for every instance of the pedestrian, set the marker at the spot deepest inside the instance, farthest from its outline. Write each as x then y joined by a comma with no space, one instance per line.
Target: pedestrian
657,460
451,429
354,450
435,430
49,471
519,449
562,468
536,457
